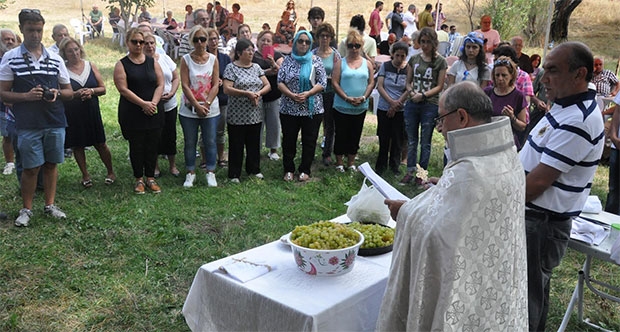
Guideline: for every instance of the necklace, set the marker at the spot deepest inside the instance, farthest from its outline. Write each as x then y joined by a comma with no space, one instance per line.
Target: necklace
200,58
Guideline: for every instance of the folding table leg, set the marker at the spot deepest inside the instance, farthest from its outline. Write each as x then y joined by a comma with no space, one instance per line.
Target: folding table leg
577,297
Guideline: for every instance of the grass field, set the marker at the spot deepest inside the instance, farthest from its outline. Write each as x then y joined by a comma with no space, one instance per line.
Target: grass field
122,262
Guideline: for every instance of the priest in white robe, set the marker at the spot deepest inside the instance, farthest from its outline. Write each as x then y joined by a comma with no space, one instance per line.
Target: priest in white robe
459,261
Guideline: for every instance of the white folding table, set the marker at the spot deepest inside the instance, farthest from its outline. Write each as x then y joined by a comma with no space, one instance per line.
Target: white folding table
601,252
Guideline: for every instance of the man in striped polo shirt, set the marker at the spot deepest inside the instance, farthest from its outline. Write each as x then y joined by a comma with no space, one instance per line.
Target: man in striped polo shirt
34,81
560,159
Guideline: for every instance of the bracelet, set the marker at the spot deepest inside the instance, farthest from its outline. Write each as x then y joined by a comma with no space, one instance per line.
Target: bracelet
92,91
423,95
208,103
363,99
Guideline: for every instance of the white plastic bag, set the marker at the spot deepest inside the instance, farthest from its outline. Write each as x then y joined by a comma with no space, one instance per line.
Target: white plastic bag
368,207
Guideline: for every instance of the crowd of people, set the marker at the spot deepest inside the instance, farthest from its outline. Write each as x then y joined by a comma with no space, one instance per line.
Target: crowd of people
259,96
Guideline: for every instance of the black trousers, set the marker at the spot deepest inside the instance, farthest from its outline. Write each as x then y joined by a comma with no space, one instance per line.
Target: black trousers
348,133
242,137
309,127
143,145
390,132
168,142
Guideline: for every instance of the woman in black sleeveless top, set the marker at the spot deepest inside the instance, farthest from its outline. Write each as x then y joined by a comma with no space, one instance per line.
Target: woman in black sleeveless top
140,82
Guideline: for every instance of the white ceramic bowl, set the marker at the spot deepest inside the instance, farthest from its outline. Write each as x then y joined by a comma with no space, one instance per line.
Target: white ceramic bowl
325,262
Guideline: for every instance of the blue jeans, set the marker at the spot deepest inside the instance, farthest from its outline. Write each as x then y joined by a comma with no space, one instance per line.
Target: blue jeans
613,197
416,116
547,240
208,129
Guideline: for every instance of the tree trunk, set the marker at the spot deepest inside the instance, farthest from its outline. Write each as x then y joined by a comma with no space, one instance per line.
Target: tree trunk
561,17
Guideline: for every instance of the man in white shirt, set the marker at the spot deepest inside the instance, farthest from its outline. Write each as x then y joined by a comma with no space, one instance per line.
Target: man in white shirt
411,18
58,33
560,158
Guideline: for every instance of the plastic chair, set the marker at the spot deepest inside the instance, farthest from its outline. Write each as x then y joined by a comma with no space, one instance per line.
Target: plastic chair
80,29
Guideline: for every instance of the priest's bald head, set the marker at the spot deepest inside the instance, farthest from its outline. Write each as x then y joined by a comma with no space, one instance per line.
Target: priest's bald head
463,105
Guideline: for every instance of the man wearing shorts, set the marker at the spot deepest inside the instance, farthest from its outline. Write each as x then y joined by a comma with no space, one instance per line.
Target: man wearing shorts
34,81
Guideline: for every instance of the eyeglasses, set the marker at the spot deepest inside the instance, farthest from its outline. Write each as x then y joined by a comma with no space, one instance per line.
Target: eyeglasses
304,41
354,46
439,120
137,42
149,43
28,11
324,36
214,38
200,39
316,18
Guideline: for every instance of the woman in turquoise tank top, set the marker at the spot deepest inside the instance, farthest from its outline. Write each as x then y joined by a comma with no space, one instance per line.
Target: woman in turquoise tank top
353,81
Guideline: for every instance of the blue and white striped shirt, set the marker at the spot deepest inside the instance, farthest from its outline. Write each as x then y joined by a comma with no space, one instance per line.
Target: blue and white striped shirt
569,138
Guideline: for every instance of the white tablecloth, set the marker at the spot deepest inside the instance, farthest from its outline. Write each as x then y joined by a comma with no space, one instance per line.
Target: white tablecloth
286,299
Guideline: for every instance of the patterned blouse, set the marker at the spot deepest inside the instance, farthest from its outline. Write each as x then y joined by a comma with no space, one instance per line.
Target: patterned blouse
289,75
240,109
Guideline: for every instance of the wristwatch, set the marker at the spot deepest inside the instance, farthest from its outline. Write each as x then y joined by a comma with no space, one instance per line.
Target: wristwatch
208,103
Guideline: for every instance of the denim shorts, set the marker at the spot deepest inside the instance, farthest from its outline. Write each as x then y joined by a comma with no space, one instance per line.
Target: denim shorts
38,146
3,122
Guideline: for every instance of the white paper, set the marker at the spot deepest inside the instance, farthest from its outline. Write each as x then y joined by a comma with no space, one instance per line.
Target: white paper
380,184
588,232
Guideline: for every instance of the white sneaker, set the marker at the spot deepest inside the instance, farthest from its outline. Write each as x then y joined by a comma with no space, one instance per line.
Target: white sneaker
273,156
259,176
189,180
234,180
54,211
8,168
24,217
211,182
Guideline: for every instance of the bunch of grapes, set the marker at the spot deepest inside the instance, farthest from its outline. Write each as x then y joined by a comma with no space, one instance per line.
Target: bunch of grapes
324,235
375,235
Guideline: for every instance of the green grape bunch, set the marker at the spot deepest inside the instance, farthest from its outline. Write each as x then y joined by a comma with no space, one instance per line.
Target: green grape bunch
375,235
325,235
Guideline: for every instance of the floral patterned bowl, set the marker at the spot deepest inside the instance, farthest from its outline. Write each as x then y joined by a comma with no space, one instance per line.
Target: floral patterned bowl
325,262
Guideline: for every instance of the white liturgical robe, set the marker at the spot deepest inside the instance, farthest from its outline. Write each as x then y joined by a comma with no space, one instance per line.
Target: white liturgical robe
459,261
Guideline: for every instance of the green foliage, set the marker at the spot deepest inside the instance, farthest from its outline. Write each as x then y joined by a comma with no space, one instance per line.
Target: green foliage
509,16
129,8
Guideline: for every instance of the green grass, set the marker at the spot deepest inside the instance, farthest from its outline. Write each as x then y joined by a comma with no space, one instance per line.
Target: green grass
125,262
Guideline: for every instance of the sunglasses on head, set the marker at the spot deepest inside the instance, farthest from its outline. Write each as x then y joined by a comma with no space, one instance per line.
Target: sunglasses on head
200,39
303,41
354,46
28,11
502,62
137,42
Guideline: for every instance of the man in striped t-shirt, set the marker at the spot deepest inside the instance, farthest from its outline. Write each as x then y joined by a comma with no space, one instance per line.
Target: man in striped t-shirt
560,159
34,81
